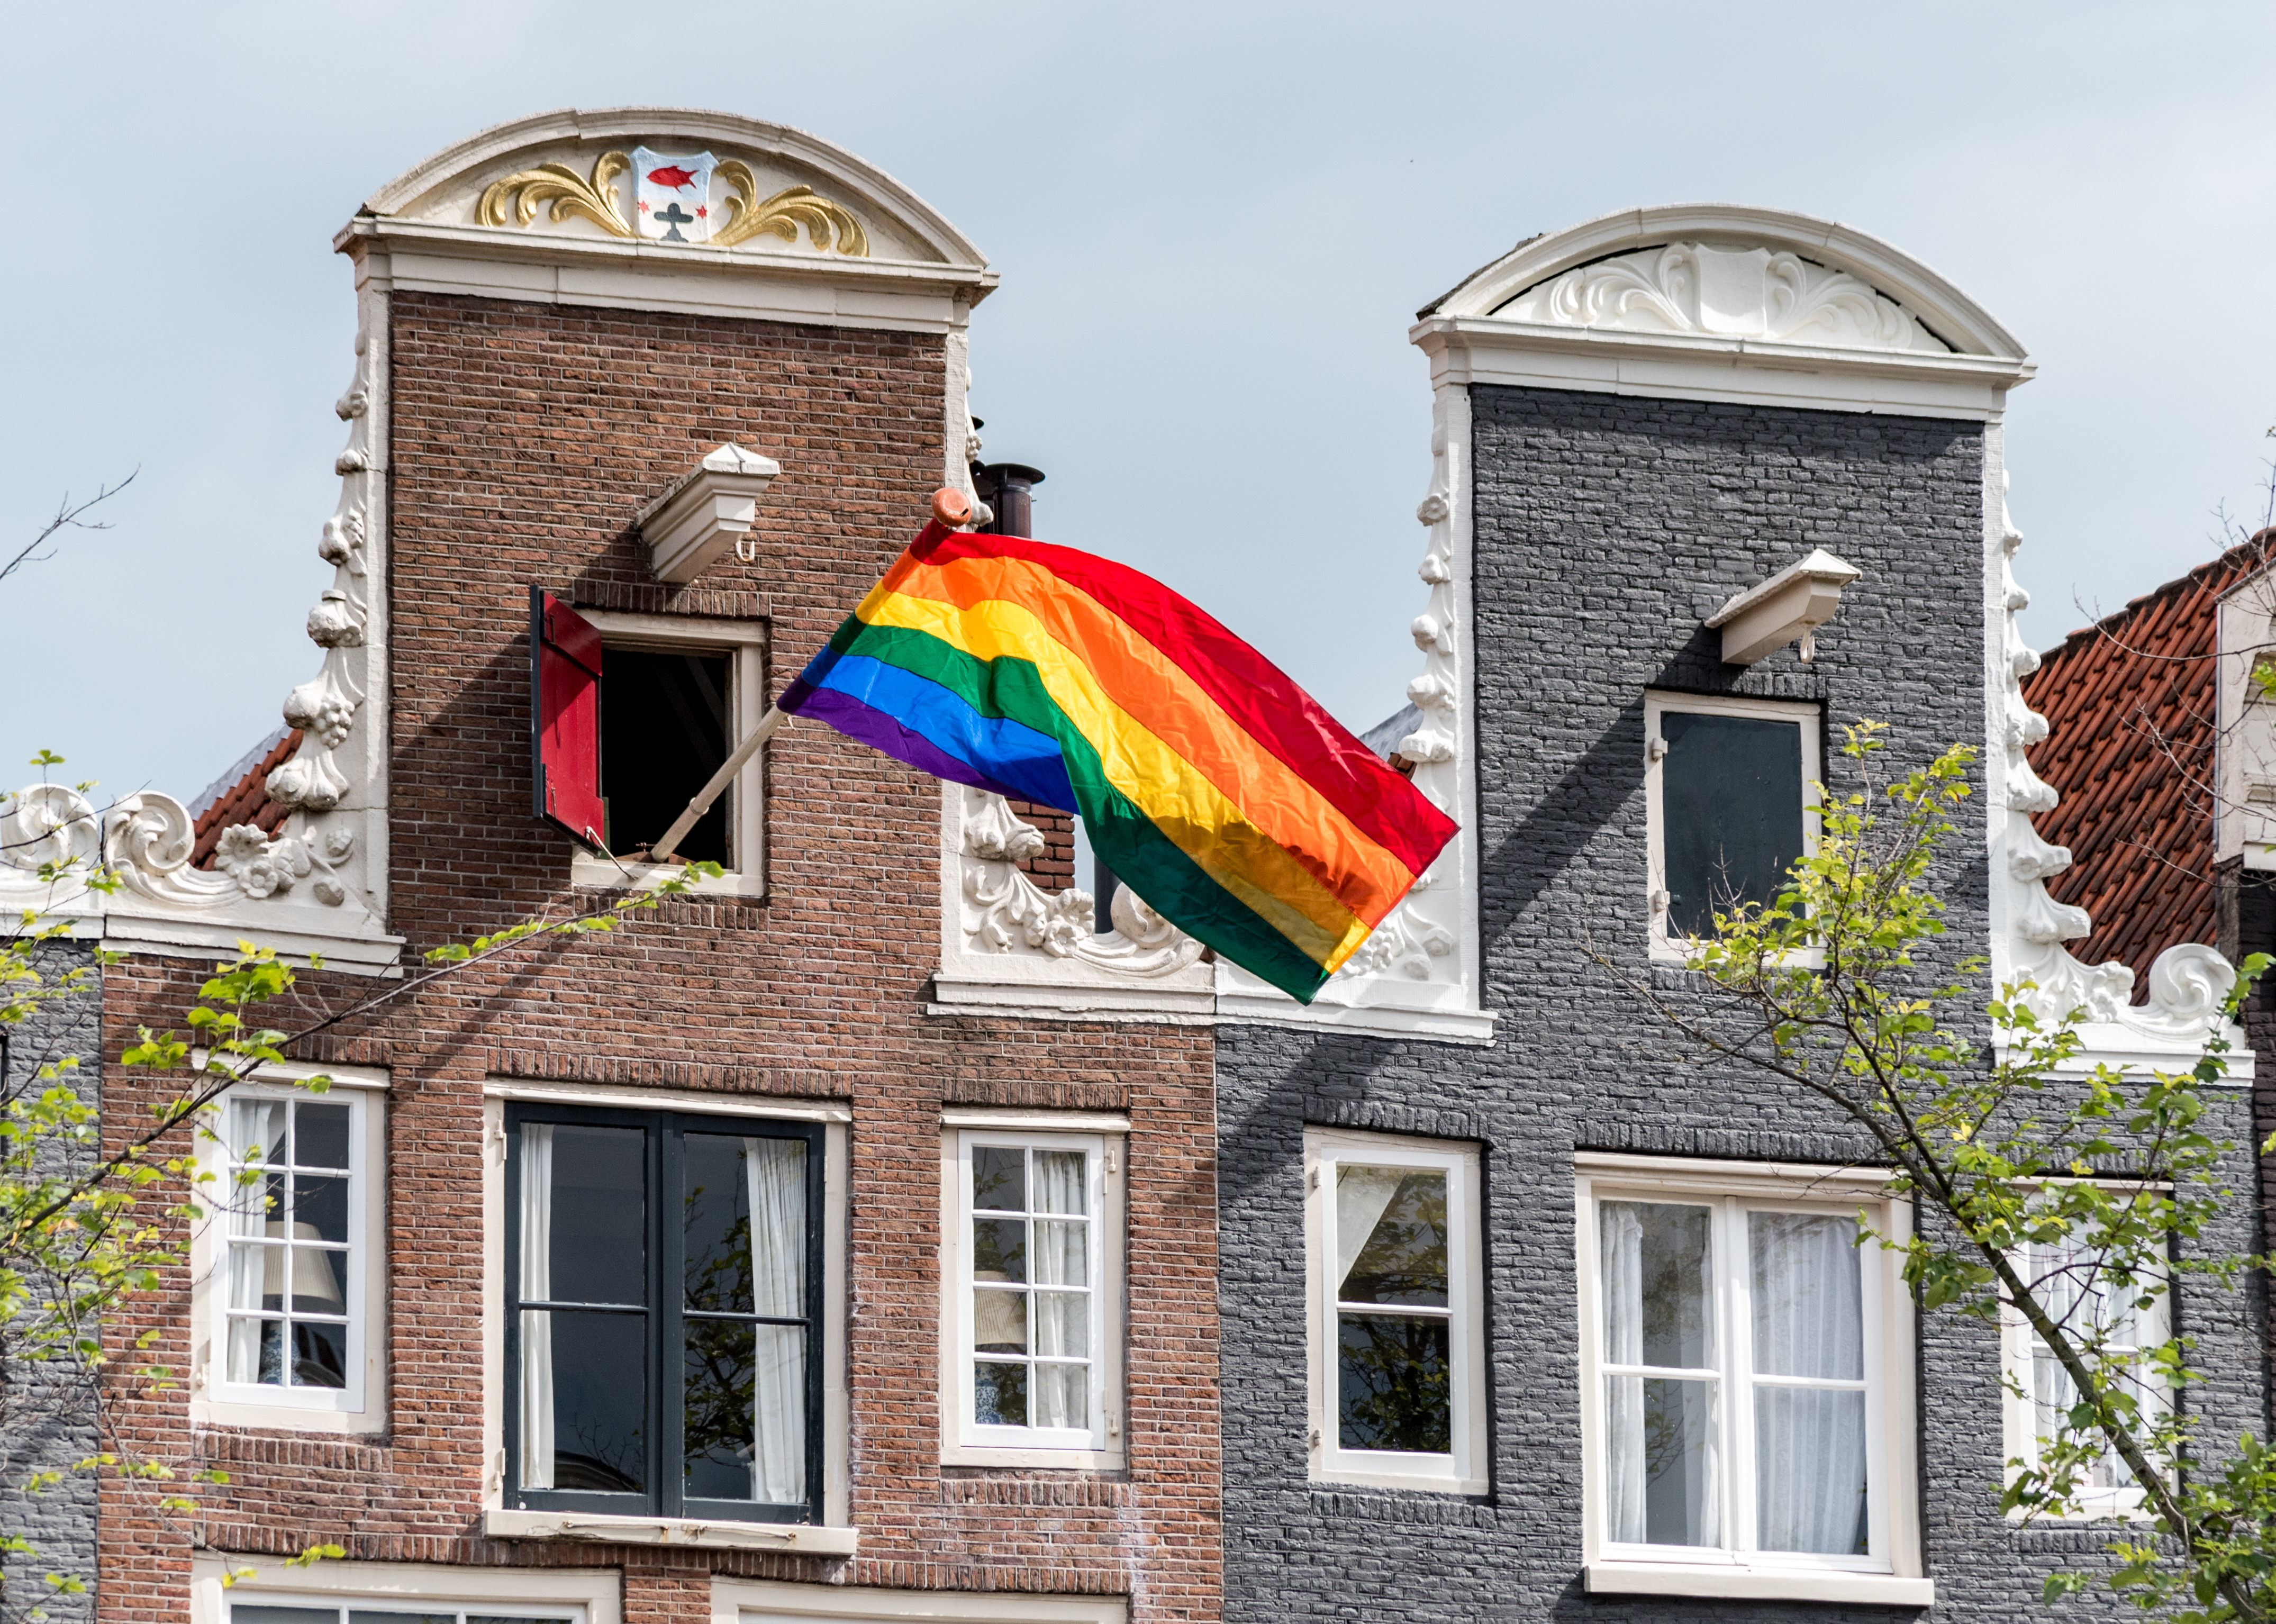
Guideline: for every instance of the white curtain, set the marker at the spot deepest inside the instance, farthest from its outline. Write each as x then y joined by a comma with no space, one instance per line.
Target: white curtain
255,1122
775,1170
1361,1194
1059,1250
1810,1442
1659,1433
536,1324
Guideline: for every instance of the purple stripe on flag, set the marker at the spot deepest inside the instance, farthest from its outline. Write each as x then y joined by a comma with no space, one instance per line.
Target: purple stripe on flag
873,727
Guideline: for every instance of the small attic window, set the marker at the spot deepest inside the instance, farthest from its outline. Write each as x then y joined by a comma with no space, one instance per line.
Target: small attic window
663,734
1729,806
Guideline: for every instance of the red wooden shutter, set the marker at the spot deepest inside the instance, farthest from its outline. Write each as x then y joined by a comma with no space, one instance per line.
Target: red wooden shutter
565,718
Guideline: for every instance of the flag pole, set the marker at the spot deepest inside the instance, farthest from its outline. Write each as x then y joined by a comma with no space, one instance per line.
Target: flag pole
951,507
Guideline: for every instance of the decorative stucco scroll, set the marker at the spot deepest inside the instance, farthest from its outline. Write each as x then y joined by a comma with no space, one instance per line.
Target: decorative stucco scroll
560,193
2188,983
1689,287
1006,912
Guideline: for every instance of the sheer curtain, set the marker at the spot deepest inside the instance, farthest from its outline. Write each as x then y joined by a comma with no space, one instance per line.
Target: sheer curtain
536,1324
775,1170
1620,1238
1362,1194
257,1122
1060,1253
1810,1442
1662,1444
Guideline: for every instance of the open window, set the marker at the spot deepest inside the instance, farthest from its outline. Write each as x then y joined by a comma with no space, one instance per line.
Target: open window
1730,805
632,715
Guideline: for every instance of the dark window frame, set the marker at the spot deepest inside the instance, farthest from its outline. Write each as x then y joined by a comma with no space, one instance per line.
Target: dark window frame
664,1373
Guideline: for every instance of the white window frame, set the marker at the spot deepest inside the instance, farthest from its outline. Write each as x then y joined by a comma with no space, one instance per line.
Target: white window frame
833,1533
762,1601
744,643
2020,1425
1464,1471
966,1441
1891,1574
360,1405
587,1595
1659,702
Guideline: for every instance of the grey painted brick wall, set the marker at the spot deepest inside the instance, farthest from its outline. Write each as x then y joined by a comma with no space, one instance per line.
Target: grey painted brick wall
1607,529
46,1422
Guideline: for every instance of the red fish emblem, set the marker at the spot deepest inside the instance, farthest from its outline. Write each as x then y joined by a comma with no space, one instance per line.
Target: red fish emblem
672,175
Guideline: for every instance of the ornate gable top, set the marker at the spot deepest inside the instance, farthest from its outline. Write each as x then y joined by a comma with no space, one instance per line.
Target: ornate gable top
673,178
1722,271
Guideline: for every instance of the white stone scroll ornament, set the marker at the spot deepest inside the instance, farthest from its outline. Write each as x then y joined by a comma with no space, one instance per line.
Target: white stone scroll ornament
1006,912
2188,983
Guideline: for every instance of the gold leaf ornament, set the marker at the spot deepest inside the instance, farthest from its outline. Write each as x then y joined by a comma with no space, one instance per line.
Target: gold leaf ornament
595,200
830,225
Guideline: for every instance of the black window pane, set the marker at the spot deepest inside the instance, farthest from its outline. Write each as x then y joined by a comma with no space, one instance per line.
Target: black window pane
715,1214
320,1208
600,1400
321,1136
999,1179
600,1215
720,1426
320,1354
663,734
1404,1256
1730,813
1000,1394
1394,1386
361,1617
242,1614
1000,1248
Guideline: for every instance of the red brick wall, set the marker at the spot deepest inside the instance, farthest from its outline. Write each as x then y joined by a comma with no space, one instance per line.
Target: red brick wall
525,439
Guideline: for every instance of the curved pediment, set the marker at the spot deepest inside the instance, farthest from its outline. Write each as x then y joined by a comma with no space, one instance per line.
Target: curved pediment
1729,272
668,178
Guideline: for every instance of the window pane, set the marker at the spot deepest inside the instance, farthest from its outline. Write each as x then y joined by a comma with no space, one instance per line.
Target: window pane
320,1208
1000,1248
719,1434
780,1453
1808,1315
1810,1469
1658,1299
1063,1324
1000,1394
999,1321
258,1133
1394,1387
999,1179
598,1378
1730,813
320,1354
1060,1182
599,1215
1062,1253
320,1136
715,1214
361,1617
1661,1466
1390,1235
776,1177
241,1613
256,1351
1063,1396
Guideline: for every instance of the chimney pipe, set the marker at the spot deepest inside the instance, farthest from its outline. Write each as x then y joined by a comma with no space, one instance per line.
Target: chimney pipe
1009,488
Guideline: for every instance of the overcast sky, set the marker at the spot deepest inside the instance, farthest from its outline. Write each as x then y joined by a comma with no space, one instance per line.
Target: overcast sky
1214,224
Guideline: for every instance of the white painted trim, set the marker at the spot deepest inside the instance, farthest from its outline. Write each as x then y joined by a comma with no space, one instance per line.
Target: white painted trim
267,1582
745,644
1757,1583
124,930
361,1407
1012,1118
1808,715
964,1442
627,1097
804,1538
1464,1471
1468,350
1892,1445
302,1071
747,1601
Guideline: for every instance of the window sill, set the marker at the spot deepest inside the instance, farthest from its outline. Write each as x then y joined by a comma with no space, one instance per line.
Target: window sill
591,873
1420,1482
1034,1460
1757,1583
805,1538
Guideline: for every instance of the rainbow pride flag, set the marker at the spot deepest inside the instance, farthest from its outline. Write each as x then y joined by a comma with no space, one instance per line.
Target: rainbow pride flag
1211,784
